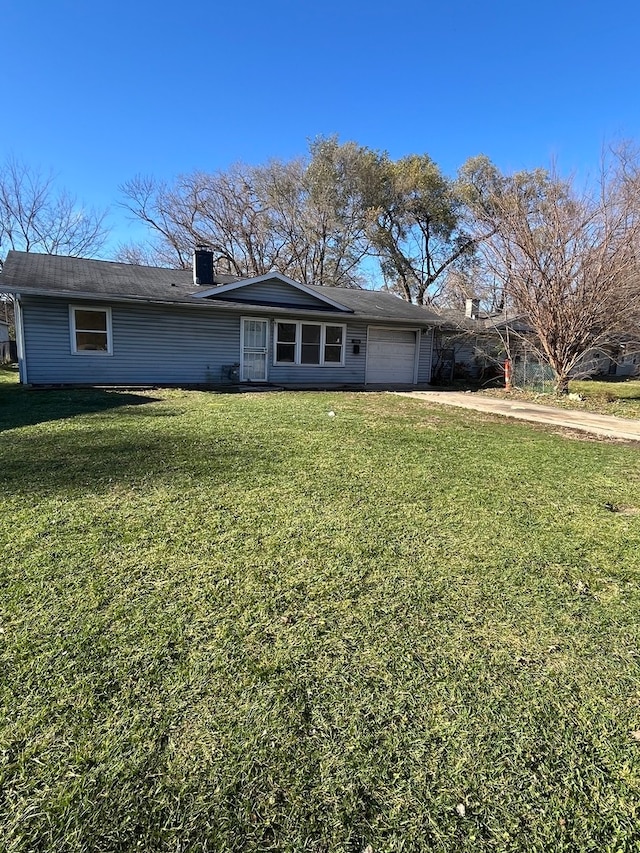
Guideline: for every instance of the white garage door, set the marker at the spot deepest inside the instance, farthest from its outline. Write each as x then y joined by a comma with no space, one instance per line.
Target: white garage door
391,356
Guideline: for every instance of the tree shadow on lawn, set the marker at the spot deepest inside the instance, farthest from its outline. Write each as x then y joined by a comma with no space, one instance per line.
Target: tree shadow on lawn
95,460
95,454
100,456
20,407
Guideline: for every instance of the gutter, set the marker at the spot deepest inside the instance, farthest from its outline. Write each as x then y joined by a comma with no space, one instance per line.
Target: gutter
231,307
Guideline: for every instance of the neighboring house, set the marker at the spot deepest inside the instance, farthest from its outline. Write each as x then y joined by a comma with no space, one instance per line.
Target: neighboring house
618,357
86,322
472,346
5,347
627,362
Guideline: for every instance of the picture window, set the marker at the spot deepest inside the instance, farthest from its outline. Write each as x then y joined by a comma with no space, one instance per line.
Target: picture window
309,344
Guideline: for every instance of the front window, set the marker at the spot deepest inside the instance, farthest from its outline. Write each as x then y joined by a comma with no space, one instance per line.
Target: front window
286,343
333,342
309,343
310,350
90,330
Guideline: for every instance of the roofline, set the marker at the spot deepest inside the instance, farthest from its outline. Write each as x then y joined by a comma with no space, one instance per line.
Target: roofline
96,260
98,297
239,307
245,282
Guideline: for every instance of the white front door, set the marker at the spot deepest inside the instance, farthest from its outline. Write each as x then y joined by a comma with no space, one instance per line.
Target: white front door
254,337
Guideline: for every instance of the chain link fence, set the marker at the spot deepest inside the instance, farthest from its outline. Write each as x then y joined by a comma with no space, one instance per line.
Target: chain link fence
531,375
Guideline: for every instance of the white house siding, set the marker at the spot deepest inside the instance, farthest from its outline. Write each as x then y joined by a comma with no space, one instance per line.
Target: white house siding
151,345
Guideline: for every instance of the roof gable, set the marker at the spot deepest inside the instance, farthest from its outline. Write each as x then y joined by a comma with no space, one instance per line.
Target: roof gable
260,290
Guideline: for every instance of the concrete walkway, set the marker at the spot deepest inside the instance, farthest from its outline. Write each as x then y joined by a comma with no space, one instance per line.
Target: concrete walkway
602,425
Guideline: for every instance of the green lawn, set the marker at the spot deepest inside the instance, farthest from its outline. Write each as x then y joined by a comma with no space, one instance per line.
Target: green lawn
237,623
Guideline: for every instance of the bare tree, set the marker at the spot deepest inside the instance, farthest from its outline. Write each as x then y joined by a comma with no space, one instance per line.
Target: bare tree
223,211
144,254
567,259
36,216
319,209
305,218
152,202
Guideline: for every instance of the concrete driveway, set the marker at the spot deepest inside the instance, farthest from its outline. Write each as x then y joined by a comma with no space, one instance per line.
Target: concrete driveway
602,425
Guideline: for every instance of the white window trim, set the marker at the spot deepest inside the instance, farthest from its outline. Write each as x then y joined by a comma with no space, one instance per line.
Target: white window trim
72,330
298,344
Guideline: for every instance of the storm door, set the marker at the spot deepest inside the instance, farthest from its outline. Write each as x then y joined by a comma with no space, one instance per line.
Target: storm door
254,344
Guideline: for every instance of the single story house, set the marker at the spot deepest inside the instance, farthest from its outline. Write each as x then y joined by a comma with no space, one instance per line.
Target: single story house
88,322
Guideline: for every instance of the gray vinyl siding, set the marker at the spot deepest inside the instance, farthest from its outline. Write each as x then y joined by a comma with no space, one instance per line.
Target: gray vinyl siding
425,357
151,345
274,292
154,344
466,362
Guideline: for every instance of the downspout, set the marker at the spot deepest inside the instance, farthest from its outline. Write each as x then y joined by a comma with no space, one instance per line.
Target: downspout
432,331
22,361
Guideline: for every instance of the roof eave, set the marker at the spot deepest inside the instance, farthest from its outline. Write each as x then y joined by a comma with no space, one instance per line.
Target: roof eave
190,301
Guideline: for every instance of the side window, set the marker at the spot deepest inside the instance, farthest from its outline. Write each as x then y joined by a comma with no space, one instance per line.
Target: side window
90,330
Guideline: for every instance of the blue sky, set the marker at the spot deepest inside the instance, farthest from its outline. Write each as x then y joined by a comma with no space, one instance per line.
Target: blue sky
102,91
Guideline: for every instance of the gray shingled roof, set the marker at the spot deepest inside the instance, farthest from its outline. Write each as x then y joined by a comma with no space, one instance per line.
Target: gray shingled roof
29,272
58,275
378,304
453,319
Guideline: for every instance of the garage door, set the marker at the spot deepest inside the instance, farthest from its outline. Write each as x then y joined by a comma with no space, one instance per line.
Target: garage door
391,355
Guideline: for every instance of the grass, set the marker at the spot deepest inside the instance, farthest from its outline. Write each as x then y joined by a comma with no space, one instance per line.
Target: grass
237,623
619,398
